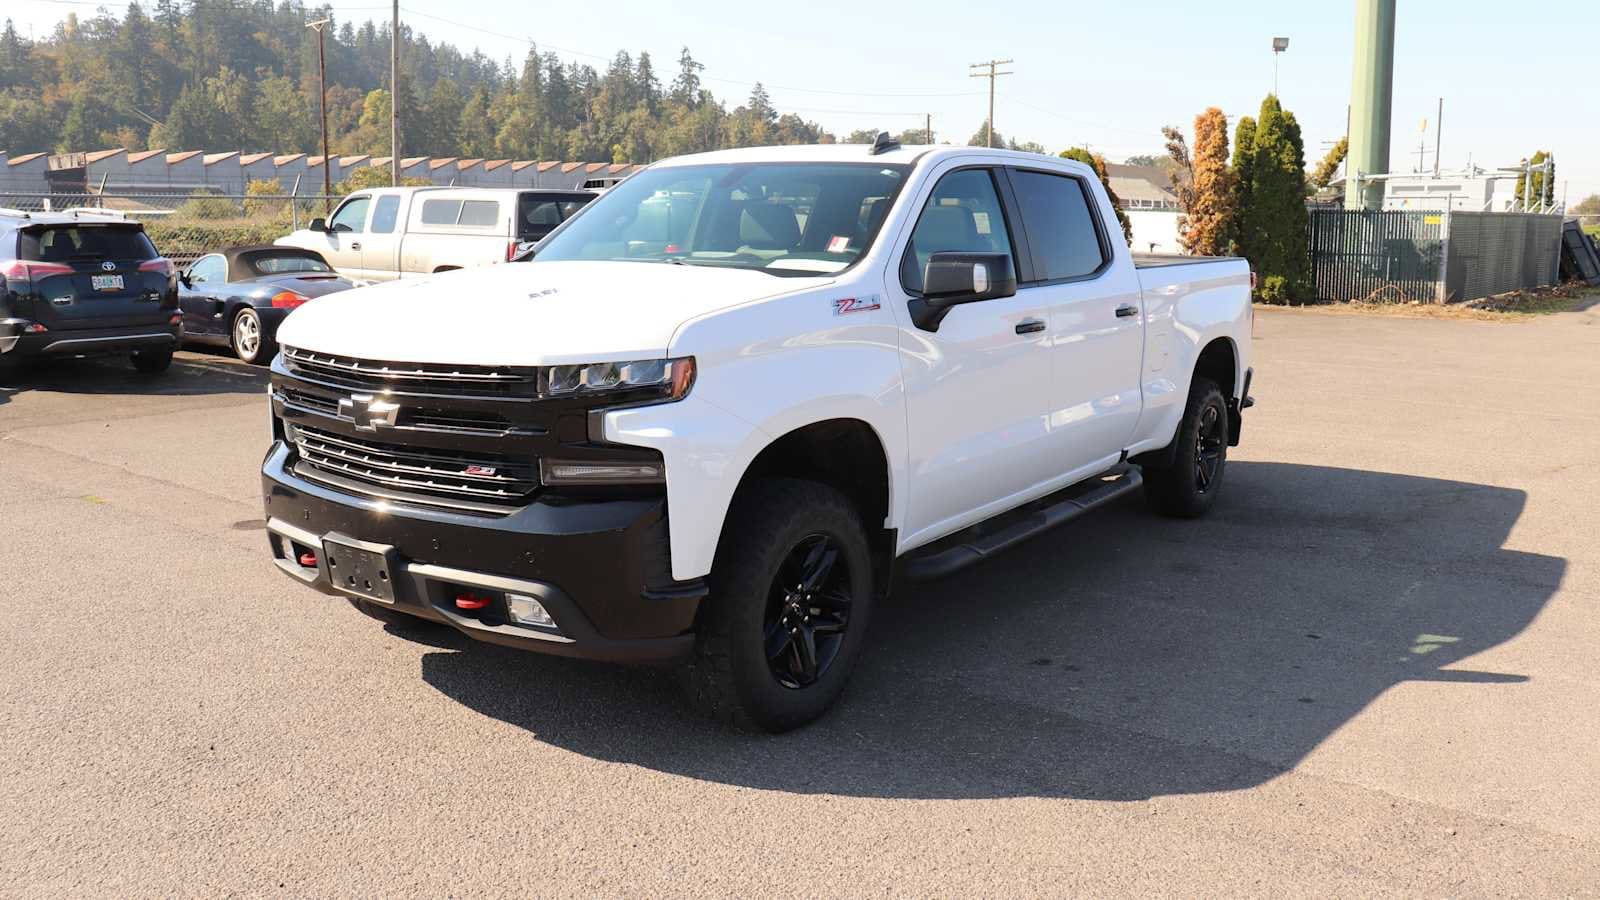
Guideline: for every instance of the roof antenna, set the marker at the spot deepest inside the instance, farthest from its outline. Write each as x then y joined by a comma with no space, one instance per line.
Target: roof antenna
884,143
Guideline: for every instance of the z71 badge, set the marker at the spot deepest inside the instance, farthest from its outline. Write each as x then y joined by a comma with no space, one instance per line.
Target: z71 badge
854,304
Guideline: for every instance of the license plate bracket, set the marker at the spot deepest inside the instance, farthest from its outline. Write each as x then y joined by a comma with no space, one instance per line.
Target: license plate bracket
360,568
106,282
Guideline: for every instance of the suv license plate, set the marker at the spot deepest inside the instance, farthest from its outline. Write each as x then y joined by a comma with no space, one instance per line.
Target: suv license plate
106,282
359,568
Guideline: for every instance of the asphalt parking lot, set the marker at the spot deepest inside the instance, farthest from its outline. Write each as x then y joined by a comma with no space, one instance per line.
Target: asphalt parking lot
1373,671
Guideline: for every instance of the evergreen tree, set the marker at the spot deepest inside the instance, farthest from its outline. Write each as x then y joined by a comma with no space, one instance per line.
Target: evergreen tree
1211,214
1274,227
1244,178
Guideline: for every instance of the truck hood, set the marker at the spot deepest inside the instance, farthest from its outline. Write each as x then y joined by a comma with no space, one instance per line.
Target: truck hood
527,314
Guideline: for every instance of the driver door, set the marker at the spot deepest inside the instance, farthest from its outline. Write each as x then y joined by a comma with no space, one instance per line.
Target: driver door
977,387
345,235
201,299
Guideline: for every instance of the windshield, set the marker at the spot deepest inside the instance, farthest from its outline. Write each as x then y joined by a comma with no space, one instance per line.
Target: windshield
781,218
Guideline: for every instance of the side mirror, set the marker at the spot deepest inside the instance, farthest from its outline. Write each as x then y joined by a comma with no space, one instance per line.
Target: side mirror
183,279
953,278
318,224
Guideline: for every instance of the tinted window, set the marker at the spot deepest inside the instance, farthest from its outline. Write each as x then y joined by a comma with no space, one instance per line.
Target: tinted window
1061,230
479,213
440,212
384,215
67,243
352,216
209,270
537,214
963,215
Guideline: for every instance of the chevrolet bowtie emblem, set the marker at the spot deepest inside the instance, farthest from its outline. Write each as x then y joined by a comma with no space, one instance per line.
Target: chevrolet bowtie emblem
367,412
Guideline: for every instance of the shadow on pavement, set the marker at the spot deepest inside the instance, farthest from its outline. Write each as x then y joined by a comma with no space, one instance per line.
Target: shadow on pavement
192,374
1122,657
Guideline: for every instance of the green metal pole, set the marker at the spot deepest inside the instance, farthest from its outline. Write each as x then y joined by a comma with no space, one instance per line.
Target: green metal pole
1371,104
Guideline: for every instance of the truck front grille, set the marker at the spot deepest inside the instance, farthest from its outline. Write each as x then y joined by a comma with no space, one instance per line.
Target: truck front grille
417,474
374,376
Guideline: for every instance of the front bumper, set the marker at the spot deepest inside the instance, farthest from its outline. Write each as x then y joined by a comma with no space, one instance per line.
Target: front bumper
599,567
88,341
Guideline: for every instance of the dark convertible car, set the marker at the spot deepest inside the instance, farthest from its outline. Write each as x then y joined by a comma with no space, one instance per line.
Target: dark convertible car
236,298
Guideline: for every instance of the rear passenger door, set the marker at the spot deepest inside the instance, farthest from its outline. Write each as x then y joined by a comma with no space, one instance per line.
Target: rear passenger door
1096,335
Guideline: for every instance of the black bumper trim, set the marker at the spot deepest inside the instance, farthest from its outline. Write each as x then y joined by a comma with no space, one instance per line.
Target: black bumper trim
594,566
425,586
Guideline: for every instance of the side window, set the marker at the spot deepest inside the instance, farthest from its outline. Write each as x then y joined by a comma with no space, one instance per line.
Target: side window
352,216
208,270
1061,227
963,215
385,214
479,213
440,212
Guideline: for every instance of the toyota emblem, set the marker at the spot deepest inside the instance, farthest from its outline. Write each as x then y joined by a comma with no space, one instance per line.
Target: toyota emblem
108,266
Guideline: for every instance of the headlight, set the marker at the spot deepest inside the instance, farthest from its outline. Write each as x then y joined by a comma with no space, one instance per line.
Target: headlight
666,379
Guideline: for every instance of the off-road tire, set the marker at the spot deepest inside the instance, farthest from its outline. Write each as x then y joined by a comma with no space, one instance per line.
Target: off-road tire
152,362
1180,490
729,676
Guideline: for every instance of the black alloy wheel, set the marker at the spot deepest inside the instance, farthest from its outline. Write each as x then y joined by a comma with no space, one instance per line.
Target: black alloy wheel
1210,445
808,612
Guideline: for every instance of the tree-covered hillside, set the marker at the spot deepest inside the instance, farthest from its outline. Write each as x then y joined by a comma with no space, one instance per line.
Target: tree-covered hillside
237,74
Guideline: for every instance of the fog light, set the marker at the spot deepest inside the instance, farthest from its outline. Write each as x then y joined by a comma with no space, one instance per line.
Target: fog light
559,471
527,611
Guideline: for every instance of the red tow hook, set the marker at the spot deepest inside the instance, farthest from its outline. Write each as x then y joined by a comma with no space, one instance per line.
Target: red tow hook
308,559
471,601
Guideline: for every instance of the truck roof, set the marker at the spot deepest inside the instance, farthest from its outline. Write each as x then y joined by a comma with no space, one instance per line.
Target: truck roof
856,153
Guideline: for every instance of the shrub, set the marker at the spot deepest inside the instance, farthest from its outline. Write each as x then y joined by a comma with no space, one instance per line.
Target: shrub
205,206
1274,289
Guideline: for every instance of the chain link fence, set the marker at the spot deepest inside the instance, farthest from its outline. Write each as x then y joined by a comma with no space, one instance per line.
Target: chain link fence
1492,253
186,226
1431,256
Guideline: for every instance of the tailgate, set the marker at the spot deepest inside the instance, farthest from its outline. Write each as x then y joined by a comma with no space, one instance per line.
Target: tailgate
92,275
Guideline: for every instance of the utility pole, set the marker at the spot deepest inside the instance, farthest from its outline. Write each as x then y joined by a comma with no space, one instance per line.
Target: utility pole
988,128
322,80
394,96
927,130
1438,137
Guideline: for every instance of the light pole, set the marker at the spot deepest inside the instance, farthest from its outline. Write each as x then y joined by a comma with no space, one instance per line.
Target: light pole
1279,44
322,79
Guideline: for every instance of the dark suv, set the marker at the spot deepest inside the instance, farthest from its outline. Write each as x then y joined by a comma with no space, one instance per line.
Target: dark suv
76,283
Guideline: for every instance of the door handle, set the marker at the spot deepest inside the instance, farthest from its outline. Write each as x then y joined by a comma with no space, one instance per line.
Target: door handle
1030,326
1127,310
355,245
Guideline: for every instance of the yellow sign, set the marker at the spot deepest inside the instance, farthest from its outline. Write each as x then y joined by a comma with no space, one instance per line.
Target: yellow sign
1432,220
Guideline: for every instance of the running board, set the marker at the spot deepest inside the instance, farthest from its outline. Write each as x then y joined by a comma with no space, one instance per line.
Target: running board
988,538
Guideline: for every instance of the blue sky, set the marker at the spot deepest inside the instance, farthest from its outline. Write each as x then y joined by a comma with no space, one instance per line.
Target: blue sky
1106,74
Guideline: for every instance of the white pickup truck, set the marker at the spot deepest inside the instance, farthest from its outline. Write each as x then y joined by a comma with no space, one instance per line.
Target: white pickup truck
381,234
731,400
